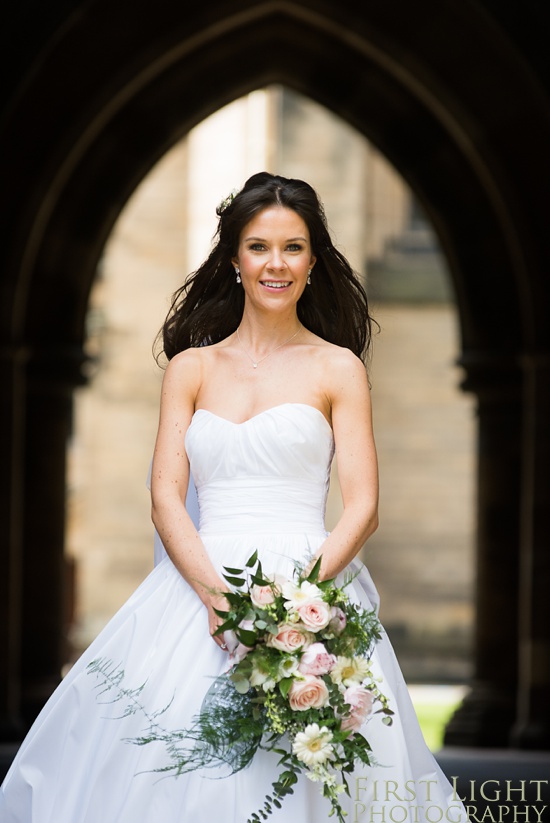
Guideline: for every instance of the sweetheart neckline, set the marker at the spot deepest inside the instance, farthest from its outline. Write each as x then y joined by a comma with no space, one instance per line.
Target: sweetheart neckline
266,411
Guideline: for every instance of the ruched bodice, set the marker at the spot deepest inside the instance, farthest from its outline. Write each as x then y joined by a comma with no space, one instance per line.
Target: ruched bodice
270,473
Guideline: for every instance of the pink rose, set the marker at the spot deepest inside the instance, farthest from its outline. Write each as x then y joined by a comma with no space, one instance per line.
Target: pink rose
360,701
289,638
262,596
338,621
309,693
315,615
316,660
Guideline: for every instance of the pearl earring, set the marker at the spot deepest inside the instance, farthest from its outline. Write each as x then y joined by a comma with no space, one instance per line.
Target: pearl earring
238,273
309,277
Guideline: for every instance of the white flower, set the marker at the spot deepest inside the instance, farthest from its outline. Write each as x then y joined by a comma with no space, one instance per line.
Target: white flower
320,774
296,596
313,746
287,667
350,670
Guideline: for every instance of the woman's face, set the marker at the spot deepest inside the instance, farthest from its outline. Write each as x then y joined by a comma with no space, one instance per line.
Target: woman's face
274,257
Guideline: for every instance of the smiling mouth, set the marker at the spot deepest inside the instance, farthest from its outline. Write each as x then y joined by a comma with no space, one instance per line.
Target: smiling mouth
275,284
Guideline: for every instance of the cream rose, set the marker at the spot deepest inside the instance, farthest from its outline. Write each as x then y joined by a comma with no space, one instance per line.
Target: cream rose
262,596
309,693
316,660
315,615
290,638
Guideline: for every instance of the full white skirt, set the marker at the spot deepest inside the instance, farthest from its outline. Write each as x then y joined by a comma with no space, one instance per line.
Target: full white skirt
76,765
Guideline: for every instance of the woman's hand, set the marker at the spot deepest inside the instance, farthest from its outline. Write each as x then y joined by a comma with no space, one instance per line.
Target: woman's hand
216,601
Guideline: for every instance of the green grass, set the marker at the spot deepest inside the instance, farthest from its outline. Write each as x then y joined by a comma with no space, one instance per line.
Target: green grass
434,710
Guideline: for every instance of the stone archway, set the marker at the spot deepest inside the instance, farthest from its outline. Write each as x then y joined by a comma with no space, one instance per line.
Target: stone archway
107,91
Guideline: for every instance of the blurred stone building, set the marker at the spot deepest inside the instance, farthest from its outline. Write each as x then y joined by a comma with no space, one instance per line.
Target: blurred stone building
422,556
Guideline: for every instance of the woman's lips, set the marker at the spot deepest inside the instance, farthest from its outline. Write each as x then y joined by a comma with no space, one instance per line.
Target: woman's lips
275,285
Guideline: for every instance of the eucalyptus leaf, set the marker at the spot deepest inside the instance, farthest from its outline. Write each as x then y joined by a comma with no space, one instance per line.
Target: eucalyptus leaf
242,686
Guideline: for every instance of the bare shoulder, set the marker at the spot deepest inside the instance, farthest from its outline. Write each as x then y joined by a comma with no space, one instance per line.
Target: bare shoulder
187,359
347,380
344,362
340,367
184,372
340,377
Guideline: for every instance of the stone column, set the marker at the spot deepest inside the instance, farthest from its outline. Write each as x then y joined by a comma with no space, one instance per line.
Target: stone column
488,712
532,730
11,502
52,375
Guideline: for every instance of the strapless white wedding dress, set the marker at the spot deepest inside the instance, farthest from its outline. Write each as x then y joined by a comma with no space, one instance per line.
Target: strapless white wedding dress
261,485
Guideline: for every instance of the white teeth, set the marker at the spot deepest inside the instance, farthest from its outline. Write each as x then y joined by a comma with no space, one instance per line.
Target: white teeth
276,284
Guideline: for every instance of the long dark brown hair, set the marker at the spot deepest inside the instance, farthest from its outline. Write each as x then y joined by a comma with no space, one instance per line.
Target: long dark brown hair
209,305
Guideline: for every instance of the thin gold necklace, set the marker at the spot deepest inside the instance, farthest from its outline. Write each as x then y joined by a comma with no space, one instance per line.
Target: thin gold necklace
255,363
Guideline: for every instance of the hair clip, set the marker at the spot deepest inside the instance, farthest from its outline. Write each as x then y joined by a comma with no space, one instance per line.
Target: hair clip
227,201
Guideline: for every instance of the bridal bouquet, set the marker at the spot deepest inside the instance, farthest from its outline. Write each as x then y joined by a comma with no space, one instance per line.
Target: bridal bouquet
299,685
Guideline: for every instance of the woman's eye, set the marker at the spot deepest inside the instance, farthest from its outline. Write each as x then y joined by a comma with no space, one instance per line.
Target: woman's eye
261,247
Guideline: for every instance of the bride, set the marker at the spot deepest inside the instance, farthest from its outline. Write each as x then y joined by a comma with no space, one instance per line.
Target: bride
265,384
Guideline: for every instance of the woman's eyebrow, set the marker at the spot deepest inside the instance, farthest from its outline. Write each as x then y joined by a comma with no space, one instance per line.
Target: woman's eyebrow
262,240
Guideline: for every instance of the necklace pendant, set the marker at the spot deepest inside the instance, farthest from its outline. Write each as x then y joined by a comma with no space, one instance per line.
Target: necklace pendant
255,363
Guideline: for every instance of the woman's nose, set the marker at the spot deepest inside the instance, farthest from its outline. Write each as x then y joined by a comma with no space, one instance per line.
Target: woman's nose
276,260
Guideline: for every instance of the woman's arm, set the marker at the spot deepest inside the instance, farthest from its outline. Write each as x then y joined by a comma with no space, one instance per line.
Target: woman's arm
357,463
169,481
